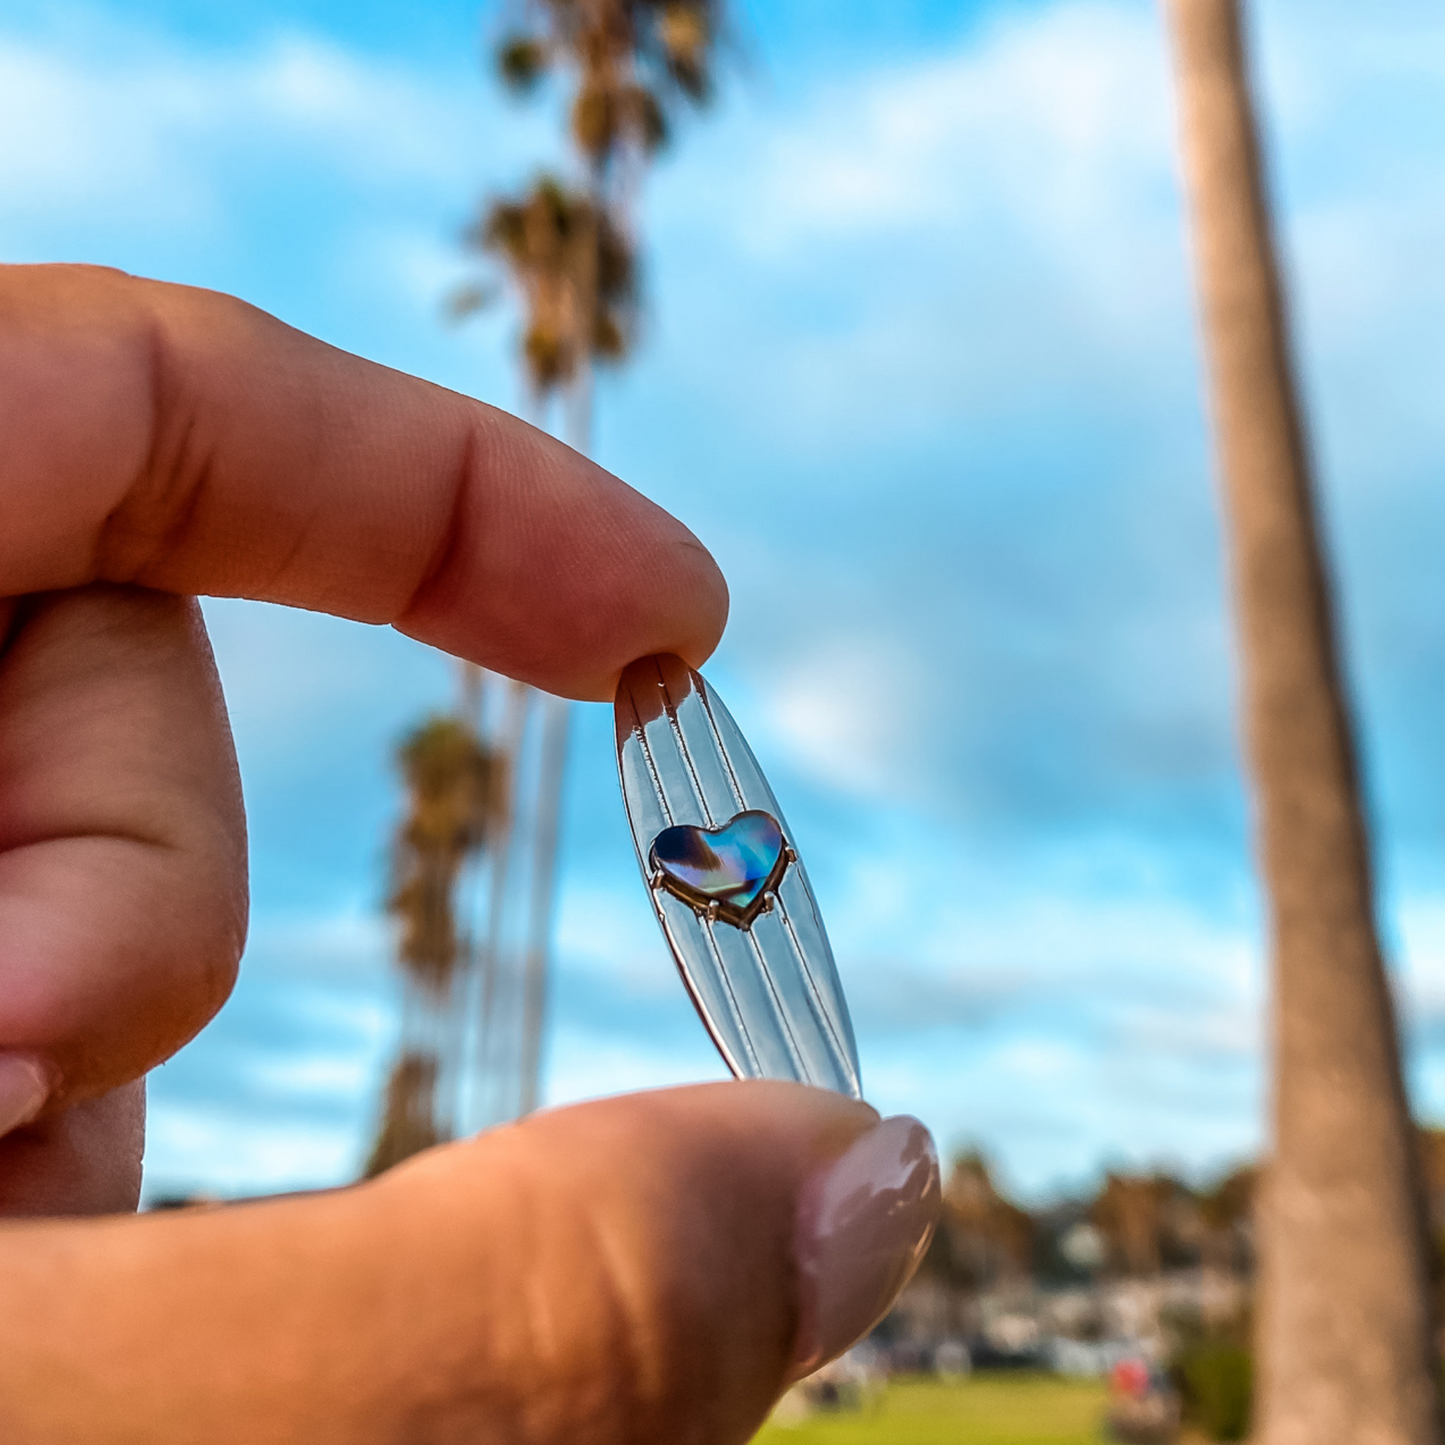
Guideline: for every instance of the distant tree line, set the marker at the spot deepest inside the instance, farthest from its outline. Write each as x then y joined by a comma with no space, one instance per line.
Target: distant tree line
1133,1225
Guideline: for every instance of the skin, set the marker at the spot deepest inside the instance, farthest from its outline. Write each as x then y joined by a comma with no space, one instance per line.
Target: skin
621,1271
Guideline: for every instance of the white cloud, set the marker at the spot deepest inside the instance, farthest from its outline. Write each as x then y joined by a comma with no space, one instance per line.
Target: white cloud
848,710
142,128
996,231
589,1067
1050,115
613,936
206,1149
988,225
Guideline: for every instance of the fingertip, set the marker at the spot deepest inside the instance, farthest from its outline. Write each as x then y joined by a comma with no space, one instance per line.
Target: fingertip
864,1223
711,602
619,1271
552,570
658,1230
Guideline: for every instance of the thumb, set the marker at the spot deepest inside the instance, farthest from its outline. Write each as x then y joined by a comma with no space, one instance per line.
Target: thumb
650,1268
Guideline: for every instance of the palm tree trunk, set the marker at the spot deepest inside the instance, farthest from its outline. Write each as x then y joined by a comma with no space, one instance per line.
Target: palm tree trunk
1344,1317
554,728
491,1067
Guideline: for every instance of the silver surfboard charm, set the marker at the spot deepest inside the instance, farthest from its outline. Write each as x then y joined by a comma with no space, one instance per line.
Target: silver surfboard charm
727,884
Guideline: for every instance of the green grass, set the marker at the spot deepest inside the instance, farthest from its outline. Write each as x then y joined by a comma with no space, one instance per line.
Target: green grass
1002,1409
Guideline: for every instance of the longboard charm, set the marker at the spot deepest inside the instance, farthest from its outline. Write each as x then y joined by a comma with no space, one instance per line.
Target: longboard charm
727,884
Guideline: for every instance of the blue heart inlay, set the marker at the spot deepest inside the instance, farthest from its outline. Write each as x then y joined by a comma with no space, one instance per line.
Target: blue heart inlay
732,866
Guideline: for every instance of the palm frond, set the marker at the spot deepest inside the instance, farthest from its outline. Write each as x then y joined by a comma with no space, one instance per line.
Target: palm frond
469,298
522,60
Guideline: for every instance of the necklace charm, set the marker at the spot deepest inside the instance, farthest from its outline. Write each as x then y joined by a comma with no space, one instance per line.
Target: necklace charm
727,884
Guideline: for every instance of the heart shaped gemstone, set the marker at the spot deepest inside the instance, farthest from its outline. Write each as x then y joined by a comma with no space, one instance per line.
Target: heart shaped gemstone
732,866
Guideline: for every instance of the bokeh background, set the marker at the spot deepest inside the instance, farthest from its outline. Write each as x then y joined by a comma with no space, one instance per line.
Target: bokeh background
919,367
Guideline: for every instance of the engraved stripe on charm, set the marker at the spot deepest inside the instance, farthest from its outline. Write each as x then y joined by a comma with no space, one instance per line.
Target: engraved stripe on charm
748,1065
820,1010
722,749
794,1052
640,733
744,1033
670,705
803,921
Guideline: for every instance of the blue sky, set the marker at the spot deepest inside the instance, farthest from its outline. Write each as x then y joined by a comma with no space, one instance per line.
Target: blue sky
919,366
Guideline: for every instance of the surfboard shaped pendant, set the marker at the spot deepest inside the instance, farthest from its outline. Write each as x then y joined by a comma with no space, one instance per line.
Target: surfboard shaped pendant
727,884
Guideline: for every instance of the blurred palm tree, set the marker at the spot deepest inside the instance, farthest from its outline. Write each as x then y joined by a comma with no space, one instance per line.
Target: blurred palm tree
1226,1213
988,1239
1136,1216
456,803
575,273
631,63
1346,1341
1226,1254
568,253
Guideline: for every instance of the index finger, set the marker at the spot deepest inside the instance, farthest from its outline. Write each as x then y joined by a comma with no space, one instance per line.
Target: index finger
184,441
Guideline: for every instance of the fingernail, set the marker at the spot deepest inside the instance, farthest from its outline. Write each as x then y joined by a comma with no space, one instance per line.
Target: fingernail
862,1227
24,1088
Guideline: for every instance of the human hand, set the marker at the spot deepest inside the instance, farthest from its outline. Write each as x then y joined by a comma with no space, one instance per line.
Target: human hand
161,442
651,1268
659,1261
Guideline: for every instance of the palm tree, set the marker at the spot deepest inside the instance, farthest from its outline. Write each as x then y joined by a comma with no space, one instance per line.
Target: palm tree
1226,1218
569,255
1345,1333
1133,1214
989,1239
573,269
455,804
631,63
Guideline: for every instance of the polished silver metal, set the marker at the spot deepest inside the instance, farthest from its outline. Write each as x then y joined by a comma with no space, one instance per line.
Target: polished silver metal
763,979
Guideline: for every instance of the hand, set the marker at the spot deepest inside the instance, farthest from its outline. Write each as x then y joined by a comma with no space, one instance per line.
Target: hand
161,442
650,1268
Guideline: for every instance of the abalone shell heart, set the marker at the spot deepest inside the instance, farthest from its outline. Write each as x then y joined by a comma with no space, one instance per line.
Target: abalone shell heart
732,866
